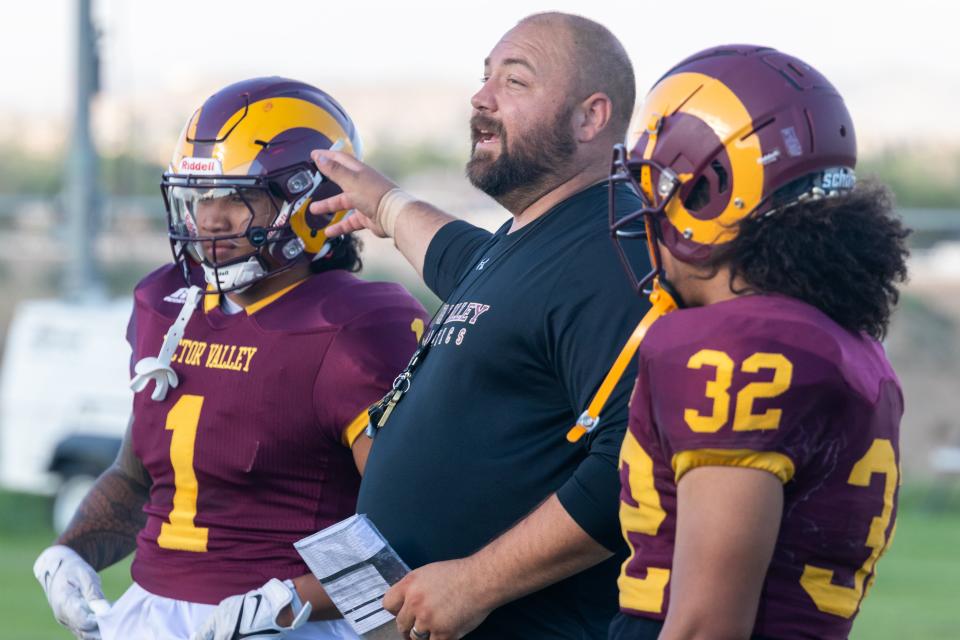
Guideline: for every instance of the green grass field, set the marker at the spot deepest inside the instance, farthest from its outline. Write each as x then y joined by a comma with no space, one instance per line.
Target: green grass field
916,596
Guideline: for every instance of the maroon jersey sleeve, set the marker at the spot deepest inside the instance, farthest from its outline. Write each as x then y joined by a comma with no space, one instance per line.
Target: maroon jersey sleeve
359,367
741,399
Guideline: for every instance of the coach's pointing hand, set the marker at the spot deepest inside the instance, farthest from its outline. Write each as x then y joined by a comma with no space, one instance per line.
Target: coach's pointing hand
363,188
378,204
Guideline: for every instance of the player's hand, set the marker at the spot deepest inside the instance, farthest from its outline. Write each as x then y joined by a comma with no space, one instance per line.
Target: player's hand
254,614
363,188
73,590
442,599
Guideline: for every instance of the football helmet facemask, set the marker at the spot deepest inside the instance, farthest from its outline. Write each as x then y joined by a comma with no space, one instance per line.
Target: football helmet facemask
241,180
730,132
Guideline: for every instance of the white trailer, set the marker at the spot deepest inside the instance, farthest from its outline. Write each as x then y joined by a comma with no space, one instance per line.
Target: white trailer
64,398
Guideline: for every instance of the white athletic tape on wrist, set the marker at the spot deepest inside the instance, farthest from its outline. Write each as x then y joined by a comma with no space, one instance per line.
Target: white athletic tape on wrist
296,604
390,207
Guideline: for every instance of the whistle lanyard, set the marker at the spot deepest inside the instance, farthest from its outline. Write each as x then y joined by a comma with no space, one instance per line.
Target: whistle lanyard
380,411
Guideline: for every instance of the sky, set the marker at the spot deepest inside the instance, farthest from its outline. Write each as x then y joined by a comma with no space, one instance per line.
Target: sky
898,64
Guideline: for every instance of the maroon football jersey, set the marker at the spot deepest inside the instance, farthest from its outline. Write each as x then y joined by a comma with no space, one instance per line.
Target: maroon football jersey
770,383
250,451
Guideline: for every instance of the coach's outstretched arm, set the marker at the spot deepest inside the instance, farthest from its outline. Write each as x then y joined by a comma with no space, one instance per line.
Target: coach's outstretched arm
379,205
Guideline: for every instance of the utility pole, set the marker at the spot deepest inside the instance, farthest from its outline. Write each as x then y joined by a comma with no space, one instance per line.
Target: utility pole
82,277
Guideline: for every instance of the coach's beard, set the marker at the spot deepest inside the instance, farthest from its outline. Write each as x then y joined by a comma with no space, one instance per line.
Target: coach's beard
518,177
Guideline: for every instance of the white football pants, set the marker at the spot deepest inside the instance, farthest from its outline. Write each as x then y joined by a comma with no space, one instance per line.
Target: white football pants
142,615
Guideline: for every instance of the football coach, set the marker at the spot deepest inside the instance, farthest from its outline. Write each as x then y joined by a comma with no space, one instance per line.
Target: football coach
511,529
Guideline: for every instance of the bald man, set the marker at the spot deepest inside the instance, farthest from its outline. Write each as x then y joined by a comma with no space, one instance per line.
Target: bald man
511,529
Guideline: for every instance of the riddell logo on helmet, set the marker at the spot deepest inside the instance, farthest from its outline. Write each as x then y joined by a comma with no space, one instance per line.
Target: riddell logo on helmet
200,166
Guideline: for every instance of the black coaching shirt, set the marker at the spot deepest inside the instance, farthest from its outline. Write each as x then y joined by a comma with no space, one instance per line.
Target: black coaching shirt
532,322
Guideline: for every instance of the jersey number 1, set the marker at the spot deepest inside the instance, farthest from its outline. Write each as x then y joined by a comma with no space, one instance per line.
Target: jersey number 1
180,533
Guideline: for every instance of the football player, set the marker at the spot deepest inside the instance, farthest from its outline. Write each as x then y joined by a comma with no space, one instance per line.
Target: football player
760,470
244,432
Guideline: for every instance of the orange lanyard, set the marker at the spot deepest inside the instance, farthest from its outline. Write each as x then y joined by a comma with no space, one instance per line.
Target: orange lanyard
661,303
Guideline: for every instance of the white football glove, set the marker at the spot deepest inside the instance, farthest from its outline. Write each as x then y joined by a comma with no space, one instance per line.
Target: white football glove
73,590
254,614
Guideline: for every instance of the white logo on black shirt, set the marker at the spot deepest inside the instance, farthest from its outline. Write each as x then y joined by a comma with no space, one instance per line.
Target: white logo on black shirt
462,312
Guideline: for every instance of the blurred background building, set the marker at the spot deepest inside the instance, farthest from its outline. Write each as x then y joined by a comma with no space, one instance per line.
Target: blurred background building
405,72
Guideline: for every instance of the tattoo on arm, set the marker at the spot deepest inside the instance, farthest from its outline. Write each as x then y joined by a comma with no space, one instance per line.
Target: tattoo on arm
105,527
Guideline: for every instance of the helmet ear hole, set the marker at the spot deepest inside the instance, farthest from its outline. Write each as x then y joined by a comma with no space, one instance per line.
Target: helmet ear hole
699,195
723,178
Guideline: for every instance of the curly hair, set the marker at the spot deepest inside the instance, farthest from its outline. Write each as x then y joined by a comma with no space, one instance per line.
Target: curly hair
843,255
344,254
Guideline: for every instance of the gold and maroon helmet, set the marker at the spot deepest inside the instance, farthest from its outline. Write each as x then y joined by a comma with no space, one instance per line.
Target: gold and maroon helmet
250,143
730,132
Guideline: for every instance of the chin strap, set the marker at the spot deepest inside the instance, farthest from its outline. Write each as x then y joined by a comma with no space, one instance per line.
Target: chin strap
158,369
235,277
662,303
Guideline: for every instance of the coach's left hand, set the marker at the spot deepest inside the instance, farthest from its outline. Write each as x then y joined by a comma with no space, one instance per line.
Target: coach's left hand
445,599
